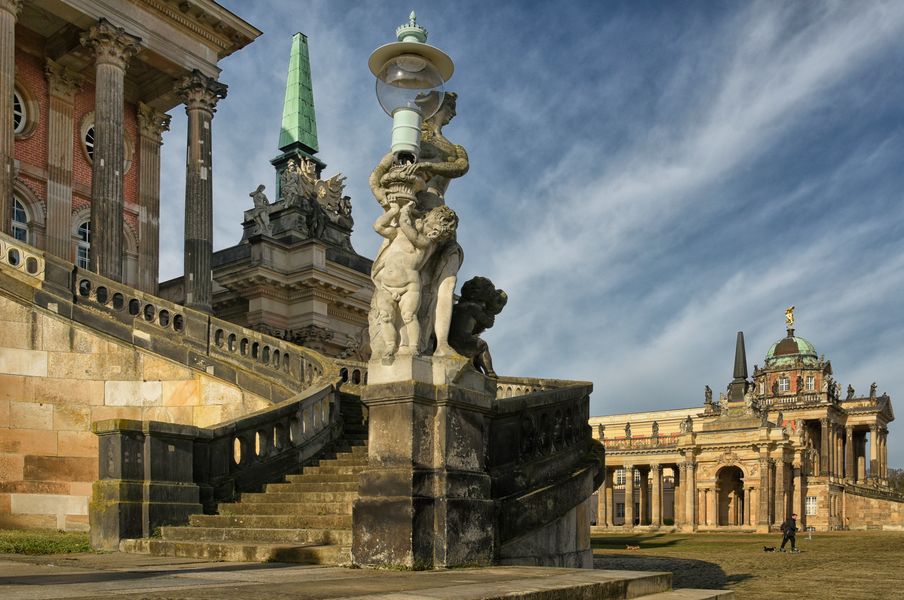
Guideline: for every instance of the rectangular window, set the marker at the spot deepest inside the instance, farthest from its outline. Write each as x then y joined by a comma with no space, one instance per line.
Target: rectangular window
811,383
811,506
784,384
620,509
619,477
82,259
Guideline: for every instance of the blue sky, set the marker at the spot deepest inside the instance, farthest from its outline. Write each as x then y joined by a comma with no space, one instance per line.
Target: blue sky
647,178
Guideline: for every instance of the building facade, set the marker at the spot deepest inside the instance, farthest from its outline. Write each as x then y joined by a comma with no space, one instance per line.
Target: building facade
788,439
89,84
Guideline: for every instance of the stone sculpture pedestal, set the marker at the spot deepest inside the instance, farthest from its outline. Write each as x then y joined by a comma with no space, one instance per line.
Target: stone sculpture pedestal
424,501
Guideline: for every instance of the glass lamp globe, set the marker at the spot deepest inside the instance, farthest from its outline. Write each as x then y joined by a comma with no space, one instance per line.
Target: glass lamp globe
409,81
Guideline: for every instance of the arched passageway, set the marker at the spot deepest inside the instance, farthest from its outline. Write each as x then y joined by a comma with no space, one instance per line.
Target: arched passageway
731,496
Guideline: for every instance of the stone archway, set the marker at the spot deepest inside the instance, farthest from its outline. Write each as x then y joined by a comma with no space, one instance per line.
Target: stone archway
730,511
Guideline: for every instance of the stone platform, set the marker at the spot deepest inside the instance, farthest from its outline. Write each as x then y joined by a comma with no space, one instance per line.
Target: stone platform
118,575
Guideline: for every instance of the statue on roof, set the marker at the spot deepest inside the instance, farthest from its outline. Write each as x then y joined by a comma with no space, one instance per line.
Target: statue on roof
872,391
850,392
789,317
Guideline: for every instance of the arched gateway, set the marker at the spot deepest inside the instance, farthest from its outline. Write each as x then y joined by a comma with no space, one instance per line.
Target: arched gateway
730,486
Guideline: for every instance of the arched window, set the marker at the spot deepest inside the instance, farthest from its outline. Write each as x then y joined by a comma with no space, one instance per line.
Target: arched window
19,221
20,114
84,244
89,142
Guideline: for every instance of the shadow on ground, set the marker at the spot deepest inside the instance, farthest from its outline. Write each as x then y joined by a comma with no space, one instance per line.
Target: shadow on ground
686,572
659,540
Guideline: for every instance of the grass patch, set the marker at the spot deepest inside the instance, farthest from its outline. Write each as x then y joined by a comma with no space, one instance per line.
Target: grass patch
32,541
845,565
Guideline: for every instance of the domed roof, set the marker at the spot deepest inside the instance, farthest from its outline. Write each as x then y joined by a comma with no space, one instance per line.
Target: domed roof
789,349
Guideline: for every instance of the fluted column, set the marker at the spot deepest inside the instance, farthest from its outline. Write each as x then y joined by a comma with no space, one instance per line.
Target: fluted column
200,95
824,447
883,455
678,495
643,506
799,494
113,48
62,85
748,506
629,496
151,125
656,493
9,12
690,495
610,501
712,517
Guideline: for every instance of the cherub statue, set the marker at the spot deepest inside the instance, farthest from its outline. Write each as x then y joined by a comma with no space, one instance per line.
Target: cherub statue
474,313
396,273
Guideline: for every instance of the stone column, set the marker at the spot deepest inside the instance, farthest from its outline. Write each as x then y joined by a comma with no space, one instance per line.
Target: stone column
200,95
62,86
678,496
883,454
712,517
656,492
690,496
151,124
861,457
839,445
610,501
113,48
9,12
824,448
873,452
644,499
799,496
629,496
762,518
781,505
850,469
748,506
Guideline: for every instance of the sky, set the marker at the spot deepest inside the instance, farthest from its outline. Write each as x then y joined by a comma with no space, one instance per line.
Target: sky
647,178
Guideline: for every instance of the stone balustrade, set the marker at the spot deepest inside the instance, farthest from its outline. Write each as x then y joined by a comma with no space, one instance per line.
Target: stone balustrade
265,365
154,474
511,387
543,459
645,442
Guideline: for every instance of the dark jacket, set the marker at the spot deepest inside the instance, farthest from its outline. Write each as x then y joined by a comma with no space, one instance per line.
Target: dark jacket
789,527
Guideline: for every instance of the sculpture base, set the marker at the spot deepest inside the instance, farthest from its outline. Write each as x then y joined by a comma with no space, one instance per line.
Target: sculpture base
433,370
424,500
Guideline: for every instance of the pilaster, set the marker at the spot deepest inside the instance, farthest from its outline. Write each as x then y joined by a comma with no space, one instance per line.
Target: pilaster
781,506
762,518
200,95
62,85
9,12
113,48
151,125
824,447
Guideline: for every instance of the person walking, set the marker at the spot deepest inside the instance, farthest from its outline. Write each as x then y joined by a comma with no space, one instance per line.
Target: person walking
789,533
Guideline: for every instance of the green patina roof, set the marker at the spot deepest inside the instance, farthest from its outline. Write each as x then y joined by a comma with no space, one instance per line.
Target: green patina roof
787,350
299,126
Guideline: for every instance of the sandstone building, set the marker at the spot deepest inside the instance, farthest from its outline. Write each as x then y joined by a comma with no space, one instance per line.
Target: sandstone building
788,439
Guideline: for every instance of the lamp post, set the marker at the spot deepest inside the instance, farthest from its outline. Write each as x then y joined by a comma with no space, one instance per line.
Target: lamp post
411,76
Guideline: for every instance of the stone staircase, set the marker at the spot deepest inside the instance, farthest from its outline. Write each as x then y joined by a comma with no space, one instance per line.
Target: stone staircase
305,519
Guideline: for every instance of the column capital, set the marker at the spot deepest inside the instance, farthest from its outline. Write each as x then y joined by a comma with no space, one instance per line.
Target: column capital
111,44
152,123
11,6
200,91
63,82
690,465
656,467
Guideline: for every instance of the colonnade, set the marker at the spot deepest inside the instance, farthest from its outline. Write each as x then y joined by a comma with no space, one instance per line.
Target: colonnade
113,48
774,489
843,452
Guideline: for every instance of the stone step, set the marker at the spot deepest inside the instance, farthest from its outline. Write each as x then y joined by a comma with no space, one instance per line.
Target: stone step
312,486
344,460
300,497
279,521
691,594
341,537
286,508
323,478
324,469
226,551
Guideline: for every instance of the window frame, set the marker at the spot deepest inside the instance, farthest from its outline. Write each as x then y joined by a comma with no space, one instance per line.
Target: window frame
811,506
810,383
17,225
19,99
83,246
784,384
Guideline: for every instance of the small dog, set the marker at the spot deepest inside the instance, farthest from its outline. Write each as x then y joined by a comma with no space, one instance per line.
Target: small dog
768,548
630,547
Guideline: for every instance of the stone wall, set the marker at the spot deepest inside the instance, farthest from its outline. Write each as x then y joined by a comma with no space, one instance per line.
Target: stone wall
56,378
864,512
563,543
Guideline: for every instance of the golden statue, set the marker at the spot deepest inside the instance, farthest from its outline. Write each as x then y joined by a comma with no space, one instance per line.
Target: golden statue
789,317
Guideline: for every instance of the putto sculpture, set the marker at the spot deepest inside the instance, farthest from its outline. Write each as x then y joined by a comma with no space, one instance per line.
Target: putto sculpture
412,308
474,313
